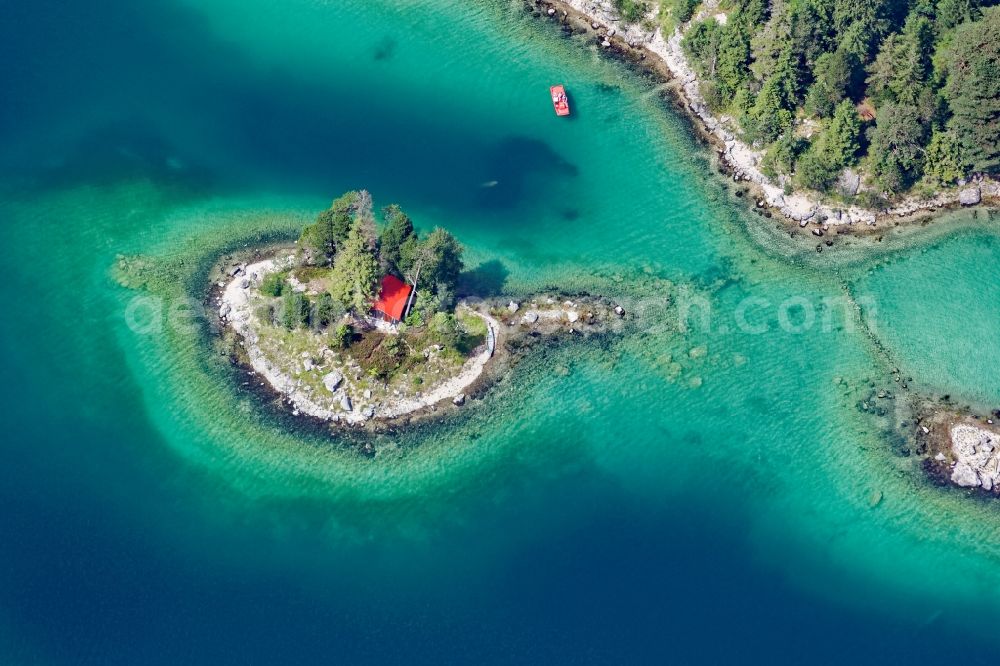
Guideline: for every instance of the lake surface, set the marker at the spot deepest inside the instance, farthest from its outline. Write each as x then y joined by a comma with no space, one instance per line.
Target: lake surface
680,494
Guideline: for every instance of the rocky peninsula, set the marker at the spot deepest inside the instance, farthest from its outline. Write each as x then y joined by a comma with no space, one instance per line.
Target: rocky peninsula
338,385
346,351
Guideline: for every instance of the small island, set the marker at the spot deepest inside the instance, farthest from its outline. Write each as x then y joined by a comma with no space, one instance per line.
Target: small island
359,321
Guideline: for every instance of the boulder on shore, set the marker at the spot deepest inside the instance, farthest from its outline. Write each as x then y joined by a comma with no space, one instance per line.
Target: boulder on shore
346,404
333,380
976,458
970,196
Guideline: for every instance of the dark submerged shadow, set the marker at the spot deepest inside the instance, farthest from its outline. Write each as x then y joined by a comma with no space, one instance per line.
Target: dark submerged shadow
486,279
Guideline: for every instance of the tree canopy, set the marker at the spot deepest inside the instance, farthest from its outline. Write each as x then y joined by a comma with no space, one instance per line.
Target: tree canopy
896,150
347,236
322,238
435,261
973,91
835,148
355,271
937,62
398,229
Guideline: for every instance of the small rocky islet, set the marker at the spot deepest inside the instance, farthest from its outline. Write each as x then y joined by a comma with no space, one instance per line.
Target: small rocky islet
314,321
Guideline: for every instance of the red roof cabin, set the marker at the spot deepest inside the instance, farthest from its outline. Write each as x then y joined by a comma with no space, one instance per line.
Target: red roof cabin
391,302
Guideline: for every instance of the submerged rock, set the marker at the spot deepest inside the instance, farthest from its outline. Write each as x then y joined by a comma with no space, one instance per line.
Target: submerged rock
698,352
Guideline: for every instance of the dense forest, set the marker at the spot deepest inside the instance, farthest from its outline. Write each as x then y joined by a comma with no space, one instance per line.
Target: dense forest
907,92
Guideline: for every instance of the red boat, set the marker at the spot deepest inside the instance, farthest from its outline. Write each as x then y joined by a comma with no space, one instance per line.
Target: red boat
559,100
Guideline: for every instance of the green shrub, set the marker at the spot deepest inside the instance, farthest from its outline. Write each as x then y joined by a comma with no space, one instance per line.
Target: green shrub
385,358
673,12
444,329
631,10
273,284
295,310
782,156
265,313
415,319
342,336
328,310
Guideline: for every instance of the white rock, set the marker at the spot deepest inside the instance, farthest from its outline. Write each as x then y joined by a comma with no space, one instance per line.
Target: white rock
963,475
513,307
573,316
970,196
333,380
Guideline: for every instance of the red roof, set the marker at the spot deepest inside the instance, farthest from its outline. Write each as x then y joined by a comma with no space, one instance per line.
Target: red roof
392,298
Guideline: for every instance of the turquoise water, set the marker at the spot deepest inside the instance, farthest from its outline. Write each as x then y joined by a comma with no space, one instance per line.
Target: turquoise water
617,501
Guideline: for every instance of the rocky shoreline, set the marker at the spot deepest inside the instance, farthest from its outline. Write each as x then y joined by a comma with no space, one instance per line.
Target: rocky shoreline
513,327
961,449
664,56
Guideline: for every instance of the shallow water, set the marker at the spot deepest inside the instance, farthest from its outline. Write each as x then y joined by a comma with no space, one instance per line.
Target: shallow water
625,500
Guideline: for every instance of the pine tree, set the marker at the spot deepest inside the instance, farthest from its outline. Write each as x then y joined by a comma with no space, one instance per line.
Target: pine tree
944,158
951,13
913,64
973,91
896,150
835,148
841,139
355,271
835,77
321,239
365,218
398,228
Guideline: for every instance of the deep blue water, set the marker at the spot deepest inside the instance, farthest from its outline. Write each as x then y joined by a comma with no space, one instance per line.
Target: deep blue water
115,548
